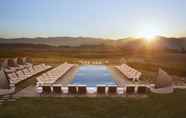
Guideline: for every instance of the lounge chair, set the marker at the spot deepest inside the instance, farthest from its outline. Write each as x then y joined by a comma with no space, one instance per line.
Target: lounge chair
82,90
142,90
129,72
112,89
4,63
46,90
13,78
130,90
52,75
101,89
57,89
4,84
20,61
72,90
11,63
1,64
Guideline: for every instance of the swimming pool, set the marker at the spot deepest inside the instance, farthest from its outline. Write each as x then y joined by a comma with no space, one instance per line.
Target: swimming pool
92,75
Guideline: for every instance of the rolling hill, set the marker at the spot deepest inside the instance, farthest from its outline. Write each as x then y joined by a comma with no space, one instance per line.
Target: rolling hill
159,43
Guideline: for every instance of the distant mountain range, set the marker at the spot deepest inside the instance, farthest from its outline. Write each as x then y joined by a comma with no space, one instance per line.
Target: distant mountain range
55,41
159,43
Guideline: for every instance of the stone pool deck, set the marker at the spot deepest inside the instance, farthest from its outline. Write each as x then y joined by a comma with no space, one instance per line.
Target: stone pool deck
118,77
68,77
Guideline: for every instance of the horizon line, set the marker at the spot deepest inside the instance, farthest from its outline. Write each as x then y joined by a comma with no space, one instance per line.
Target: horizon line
104,38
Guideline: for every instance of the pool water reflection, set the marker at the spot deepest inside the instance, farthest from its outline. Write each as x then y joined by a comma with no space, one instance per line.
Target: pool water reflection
92,75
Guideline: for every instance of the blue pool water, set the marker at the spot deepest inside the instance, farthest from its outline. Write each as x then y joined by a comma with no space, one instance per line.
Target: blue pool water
92,75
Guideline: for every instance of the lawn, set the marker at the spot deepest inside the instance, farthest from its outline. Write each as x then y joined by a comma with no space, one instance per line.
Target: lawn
155,106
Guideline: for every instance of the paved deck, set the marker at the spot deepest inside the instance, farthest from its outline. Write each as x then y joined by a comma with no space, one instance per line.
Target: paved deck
29,91
117,76
6,91
68,77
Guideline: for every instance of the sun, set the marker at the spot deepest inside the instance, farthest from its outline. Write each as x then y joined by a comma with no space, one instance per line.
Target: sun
148,33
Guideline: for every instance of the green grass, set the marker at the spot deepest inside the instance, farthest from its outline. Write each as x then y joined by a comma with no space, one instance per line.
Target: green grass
155,106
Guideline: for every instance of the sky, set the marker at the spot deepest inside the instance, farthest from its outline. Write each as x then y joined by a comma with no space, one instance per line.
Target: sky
92,18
